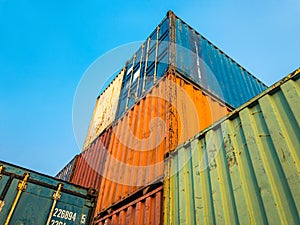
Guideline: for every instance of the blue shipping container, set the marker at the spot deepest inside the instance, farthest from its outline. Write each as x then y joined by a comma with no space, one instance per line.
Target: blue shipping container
67,172
175,44
28,197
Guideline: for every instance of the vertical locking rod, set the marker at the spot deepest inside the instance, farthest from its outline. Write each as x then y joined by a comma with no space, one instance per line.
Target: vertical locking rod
21,187
56,196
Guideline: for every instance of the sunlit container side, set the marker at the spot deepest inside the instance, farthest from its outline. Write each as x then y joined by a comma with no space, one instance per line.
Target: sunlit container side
169,114
28,197
66,173
146,209
105,109
208,66
244,169
89,167
147,65
175,44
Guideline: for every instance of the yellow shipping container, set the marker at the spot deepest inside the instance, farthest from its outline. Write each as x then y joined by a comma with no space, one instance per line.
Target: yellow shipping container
105,109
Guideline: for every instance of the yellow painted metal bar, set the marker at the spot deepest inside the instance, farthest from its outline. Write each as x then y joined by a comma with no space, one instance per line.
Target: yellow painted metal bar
56,197
21,187
1,168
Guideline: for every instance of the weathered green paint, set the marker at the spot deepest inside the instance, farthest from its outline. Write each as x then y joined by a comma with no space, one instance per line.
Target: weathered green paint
36,200
244,169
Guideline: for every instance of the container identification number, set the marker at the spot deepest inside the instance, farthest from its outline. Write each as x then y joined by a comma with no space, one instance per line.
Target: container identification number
67,215
64,214
55,222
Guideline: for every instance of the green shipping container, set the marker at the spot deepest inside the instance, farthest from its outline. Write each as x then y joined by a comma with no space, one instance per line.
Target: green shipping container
244,169
31,198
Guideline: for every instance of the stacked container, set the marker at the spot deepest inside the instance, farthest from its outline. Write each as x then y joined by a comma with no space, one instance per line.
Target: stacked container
176,85
244,169
105,110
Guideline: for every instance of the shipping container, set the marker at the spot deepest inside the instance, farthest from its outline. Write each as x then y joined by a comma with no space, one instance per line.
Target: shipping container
175,44
89,167
28,197
146,209
244,169
204,63
170,113
66,173
146,67
105,109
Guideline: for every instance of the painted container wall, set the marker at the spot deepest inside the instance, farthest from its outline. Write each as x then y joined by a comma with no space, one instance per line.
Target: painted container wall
105,109
244,169
67,172
89,167
144,210
170,113
146,67
27,197
205,64
175,44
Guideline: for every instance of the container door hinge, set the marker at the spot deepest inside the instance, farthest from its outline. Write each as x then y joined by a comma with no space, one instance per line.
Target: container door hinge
21,187
56,196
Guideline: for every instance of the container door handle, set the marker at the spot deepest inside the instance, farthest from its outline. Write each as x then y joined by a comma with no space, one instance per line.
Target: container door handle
56,196
21,187
1,168
1,200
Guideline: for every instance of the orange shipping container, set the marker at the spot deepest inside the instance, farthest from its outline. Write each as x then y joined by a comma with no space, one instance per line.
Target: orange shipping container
172,112
144,210
90,164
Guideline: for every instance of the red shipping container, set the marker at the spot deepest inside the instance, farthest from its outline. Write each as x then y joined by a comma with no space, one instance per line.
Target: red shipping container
90,163
144,210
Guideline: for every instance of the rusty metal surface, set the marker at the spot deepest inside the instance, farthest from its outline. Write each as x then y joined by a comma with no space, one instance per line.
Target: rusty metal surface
153,127
244,169
88,169
105,109
144,210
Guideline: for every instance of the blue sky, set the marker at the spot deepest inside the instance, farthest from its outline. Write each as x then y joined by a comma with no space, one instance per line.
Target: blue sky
46,46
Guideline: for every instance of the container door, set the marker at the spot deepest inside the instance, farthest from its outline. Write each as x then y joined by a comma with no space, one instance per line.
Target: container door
34,202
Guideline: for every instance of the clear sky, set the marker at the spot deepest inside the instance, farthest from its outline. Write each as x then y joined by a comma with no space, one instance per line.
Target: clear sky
46,46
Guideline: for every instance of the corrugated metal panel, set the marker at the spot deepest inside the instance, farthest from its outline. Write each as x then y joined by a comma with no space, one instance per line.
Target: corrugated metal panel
28,197
67,172
170,113
88,170
144,210
244,169
205,64
105,109
147,66
175,44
